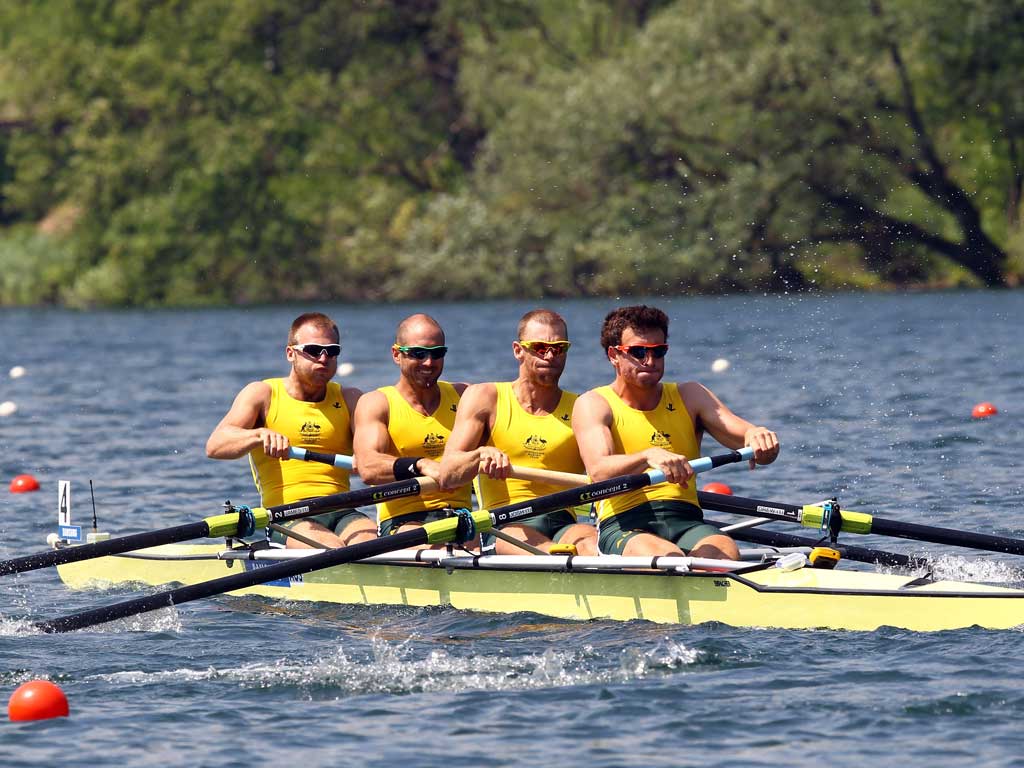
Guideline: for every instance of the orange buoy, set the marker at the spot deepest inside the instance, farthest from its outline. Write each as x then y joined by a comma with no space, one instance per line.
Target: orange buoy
717,488
24,483
37,700
984,410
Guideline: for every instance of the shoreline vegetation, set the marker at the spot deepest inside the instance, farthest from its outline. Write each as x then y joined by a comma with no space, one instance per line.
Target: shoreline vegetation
210,152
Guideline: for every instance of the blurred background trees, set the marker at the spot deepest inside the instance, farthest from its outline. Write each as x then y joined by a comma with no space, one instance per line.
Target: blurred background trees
213,151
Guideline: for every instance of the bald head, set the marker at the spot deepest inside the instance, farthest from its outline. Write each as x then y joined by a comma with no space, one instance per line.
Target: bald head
415,328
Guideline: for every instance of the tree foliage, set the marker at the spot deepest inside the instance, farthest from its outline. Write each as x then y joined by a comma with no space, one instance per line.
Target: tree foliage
178,151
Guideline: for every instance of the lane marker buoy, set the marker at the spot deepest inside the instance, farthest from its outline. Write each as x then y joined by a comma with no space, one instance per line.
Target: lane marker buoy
720,365
24,483
37,700
17,372
984,410
8,407
717,488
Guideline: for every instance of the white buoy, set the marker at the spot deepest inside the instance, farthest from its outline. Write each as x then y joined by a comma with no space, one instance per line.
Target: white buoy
345,369
7,408
720,365
17,372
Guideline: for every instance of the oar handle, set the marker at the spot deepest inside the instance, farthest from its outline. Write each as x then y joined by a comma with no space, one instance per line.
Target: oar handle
537,475
705,463
331,459
571,480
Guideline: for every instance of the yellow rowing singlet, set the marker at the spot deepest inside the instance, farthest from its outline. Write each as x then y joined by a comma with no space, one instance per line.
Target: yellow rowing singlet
325,426
667,426
544,442
417,435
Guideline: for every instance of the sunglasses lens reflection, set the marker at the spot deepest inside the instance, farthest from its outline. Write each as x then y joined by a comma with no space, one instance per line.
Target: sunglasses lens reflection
640,353
315,350
422,353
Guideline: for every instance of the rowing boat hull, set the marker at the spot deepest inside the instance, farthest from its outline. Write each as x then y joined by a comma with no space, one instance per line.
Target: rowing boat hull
805,598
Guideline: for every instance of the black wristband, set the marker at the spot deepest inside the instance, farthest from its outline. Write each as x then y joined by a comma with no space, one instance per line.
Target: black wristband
405,468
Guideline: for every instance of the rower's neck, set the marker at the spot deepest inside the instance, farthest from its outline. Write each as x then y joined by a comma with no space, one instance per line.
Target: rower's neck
307,392
536,398
423,400
640,398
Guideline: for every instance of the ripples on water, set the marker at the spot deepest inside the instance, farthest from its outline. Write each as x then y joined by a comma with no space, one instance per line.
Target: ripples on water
871,396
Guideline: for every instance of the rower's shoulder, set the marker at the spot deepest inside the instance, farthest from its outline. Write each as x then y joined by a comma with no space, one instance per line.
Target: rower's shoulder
591,403
692,389
255,391
351,395
479,397
372,404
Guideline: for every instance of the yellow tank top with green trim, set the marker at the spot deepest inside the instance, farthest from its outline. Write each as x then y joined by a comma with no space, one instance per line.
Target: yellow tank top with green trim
325,426
417,435
667,426
543,442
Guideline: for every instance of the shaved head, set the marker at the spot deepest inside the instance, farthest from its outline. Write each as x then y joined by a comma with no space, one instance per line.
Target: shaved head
416,326
544,317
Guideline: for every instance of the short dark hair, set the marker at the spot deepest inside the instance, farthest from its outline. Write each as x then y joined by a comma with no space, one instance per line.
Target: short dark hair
639,318
318,319
546,316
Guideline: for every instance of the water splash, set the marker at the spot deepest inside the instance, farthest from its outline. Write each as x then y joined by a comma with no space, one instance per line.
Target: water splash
394,668
959,568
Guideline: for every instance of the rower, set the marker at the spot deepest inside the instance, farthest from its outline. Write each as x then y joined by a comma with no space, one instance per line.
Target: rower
305,409
527,423
636,423
401,430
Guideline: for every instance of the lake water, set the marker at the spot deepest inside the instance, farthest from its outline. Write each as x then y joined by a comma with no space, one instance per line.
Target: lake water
871,396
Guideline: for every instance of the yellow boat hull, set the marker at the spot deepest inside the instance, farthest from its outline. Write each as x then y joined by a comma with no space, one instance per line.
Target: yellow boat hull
805,598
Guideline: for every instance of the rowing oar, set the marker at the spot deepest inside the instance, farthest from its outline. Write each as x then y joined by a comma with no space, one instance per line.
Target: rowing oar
460,528
241,522
847,551
568,479
812,515
437,532
571,479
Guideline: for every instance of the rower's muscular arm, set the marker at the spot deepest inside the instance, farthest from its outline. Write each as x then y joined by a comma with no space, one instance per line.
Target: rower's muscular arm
713,416
242,428
592,423
464,456
372,448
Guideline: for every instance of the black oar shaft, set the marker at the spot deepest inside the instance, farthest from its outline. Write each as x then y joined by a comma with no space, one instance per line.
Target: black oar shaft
282,570
201,529
333,557
738,505
857,554
101,548
570,497
949,536
792,513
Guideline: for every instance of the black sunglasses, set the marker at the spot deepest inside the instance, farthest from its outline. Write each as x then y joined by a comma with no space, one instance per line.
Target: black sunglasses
315,350
422,353
639,351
